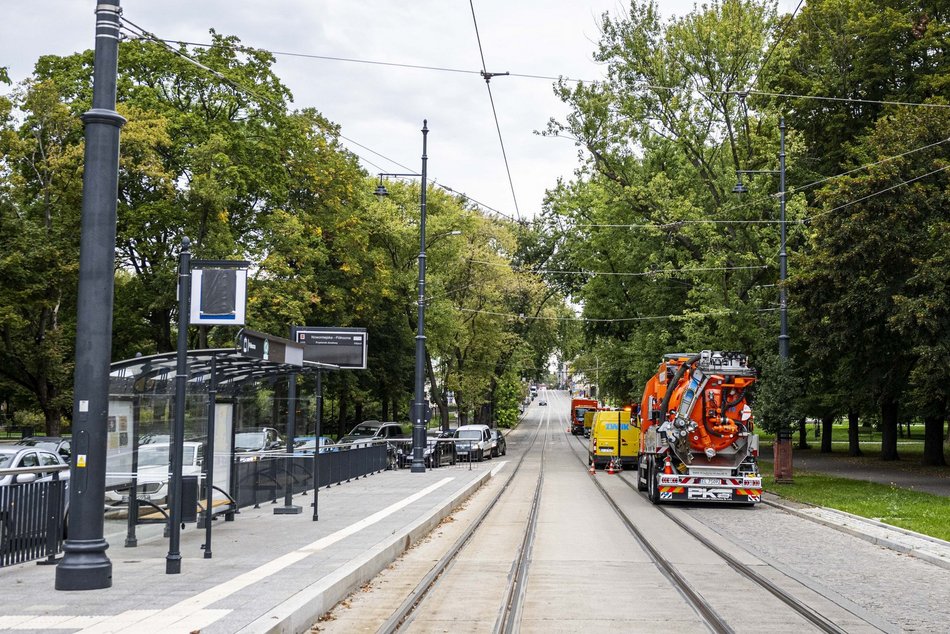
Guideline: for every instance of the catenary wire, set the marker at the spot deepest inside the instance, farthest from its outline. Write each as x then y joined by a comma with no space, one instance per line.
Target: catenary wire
644,84
494,111
878,193
142,33
628,274
614,320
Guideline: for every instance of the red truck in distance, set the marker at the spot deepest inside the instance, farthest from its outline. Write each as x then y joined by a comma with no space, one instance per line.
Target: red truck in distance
579,407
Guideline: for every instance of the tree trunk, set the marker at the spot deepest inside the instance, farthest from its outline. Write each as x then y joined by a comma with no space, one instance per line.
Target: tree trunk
462,408
342,415
438,394
826,422
889,410
933,440
854,438
802,434
358,412
53,418
384,402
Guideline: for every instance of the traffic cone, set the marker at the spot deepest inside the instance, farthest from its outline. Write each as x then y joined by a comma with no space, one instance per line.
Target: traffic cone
667,466
610,467
593,468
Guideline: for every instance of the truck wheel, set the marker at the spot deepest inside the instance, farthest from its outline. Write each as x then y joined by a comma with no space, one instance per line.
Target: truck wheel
641,478
653,491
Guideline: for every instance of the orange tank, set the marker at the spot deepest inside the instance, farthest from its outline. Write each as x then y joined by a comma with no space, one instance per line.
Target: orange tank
706,406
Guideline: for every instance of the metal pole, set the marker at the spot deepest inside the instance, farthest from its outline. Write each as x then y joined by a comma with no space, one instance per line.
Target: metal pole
131,540
85,565
173,558
316,450
783,469
783,338
209,454
288,508
418,422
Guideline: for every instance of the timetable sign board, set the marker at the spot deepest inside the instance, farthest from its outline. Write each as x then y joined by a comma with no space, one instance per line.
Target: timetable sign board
343,347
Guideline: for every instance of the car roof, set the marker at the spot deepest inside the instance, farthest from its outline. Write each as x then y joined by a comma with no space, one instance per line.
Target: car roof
474,427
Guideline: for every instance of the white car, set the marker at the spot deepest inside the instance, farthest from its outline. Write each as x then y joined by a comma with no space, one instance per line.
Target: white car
474,442
154,472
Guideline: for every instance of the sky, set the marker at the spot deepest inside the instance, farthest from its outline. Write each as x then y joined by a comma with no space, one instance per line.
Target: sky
382,107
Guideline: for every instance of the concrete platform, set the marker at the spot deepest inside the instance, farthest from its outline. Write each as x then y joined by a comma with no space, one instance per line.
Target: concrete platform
268,573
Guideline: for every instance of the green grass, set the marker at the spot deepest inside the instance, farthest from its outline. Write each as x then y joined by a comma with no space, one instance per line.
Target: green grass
913,510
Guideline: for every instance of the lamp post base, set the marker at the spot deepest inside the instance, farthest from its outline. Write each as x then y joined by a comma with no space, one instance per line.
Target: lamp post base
288,510
84,566
417,467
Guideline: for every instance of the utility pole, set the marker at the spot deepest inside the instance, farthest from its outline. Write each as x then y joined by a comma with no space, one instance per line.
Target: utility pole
85,565
419,415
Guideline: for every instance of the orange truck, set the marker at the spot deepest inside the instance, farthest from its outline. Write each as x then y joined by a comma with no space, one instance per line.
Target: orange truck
697,439
579,407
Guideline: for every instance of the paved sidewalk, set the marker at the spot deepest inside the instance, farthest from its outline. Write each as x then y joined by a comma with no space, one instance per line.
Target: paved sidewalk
268,572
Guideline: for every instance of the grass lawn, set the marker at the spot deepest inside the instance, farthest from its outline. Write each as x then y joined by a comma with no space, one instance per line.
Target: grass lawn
913,510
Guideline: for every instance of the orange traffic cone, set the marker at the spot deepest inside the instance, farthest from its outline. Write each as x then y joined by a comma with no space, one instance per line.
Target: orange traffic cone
610,467
593,468
667,466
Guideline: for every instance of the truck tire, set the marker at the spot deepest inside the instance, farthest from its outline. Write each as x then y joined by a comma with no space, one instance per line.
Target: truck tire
641,478
653,491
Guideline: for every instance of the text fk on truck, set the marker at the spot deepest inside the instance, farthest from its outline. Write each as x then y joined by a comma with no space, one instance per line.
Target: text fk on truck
697,442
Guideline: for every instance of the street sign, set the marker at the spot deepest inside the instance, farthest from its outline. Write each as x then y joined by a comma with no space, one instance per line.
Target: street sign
218,295
343,347
259,345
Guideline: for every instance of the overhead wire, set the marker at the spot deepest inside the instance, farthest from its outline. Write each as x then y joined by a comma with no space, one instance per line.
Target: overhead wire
140,32
768,56
494,111
643,83
705,269
613,319
878,193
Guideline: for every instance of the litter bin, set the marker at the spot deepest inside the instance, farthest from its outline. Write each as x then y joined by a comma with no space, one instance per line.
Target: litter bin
189,498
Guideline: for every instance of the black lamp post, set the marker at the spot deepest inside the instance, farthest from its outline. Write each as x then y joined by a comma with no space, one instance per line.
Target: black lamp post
783,443
420,403
85,565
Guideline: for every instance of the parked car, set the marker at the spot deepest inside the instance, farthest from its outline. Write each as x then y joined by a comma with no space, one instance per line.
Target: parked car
371,431
473,442
501,445
306,444
17,457
259,440
439,450
154,472
55,444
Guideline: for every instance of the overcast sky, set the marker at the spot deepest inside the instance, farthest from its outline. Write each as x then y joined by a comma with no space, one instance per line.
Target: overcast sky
382,107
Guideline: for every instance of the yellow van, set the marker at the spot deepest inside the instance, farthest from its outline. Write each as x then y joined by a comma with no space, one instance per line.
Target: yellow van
588,422
608,430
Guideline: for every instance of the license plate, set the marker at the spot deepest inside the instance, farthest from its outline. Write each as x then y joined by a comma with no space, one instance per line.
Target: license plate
713,481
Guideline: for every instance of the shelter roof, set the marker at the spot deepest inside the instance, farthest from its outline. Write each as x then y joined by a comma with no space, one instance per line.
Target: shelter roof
155,374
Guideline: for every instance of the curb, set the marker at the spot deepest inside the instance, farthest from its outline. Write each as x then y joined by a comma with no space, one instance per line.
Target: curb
301,611
935,557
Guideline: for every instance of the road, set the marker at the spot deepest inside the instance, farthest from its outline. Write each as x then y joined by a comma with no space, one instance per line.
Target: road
558,553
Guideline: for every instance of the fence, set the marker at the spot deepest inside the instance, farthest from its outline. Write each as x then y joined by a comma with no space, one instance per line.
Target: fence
264,479
32,515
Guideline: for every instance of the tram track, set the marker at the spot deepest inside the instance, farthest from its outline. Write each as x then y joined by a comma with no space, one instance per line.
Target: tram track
509,612
715,621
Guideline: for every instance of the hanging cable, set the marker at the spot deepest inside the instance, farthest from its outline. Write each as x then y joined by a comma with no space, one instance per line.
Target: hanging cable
487,76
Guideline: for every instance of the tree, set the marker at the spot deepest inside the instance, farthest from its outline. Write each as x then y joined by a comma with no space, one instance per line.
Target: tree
860,285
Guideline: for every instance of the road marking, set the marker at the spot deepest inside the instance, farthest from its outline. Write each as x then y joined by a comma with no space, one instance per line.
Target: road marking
175,615
192,613
495,470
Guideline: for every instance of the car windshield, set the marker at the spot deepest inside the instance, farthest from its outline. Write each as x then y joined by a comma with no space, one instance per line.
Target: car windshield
364,430
6,457
251,440
470,434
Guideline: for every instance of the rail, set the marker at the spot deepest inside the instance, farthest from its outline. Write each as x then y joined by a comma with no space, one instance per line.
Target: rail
404,612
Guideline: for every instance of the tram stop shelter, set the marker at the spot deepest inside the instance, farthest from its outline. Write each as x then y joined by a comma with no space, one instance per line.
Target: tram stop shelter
238,401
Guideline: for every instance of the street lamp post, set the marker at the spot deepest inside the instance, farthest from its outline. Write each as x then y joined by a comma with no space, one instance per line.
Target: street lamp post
783,442
419,404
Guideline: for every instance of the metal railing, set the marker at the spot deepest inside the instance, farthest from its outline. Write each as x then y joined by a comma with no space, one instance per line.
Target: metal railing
264,479
32,516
